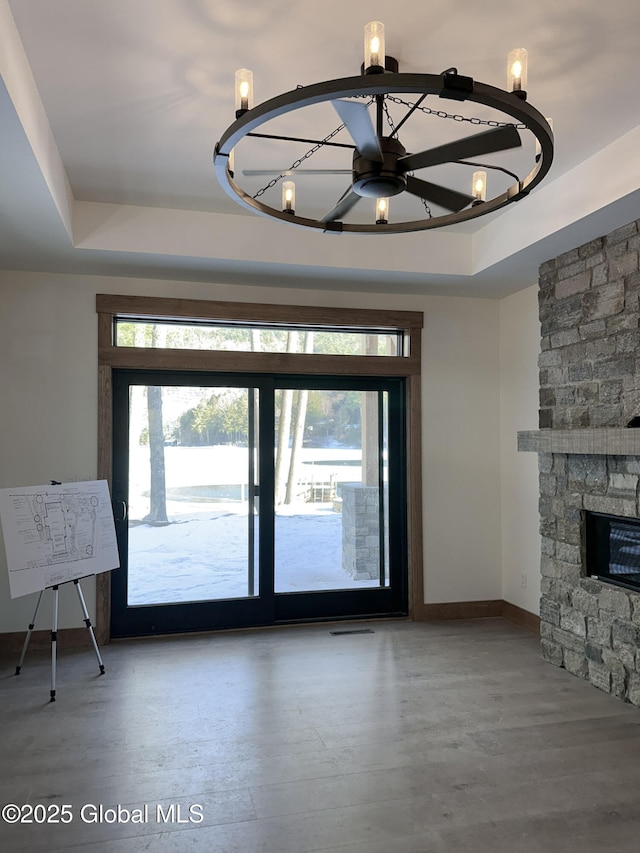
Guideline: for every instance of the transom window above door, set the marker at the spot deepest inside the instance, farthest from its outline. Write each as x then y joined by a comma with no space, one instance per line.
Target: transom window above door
272,338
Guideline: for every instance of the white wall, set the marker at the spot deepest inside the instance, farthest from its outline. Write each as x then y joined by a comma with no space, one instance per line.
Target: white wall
461,435
519,347
48,358
48,391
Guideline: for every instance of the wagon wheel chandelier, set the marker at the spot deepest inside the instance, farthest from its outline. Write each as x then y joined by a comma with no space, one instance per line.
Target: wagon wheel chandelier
380,166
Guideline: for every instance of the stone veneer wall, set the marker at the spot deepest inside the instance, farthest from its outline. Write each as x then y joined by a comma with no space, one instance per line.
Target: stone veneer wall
589,313
361,531
589,377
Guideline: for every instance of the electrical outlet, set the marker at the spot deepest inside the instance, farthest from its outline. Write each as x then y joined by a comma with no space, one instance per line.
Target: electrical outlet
523,580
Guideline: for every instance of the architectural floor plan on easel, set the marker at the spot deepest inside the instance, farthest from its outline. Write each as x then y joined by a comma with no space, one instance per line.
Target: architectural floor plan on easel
57,533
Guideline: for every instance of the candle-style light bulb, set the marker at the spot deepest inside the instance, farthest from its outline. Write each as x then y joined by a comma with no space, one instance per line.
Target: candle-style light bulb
244,91
517,72
479,187
289,197
374,55
231,162
382,211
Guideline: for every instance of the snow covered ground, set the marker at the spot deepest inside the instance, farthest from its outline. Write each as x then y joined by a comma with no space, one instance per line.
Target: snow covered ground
203,553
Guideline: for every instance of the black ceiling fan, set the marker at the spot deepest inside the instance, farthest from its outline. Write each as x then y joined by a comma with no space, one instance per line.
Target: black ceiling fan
382,168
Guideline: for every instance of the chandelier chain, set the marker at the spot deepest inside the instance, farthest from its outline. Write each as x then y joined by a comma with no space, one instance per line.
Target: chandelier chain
299,161
454,116
389,118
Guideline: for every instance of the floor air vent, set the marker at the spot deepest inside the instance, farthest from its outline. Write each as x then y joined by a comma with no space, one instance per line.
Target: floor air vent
352,631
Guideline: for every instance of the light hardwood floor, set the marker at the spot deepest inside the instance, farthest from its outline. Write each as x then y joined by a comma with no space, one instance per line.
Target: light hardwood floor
415,738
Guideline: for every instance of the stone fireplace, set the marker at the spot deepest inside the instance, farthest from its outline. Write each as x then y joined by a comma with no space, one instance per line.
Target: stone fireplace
589,460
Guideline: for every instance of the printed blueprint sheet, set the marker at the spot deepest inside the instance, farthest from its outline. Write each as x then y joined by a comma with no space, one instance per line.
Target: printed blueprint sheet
55,534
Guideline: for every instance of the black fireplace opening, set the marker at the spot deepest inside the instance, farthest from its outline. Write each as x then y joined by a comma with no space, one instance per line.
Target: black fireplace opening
613,549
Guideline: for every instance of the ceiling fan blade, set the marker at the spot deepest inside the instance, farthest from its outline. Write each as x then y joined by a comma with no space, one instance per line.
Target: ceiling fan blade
358,122
487,142
344,205
443,197
294,172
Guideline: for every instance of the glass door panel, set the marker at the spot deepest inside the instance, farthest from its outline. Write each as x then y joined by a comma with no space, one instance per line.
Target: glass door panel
190,517
331,506
186,467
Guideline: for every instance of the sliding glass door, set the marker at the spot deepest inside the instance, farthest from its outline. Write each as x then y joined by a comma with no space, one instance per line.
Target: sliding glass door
246,501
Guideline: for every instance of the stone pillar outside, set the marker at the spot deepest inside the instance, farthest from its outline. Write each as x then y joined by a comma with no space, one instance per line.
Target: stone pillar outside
360,531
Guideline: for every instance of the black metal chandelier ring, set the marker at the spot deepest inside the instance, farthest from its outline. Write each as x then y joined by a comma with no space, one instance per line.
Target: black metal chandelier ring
448,85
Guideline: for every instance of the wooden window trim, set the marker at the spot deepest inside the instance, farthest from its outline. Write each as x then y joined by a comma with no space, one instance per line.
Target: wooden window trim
140,307
409,323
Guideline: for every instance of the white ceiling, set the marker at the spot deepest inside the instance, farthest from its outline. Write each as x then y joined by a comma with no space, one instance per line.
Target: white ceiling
110,109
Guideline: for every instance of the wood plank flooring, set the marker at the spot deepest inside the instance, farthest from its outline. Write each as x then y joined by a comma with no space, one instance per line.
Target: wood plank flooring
416,738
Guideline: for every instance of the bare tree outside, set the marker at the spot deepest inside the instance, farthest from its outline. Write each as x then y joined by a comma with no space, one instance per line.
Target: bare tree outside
284,429
298,429
158,489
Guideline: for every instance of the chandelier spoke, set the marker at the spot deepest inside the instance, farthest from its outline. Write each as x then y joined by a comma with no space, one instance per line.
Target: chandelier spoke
319,142
263,173
408,114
